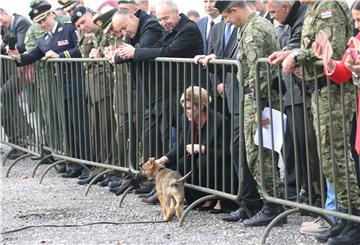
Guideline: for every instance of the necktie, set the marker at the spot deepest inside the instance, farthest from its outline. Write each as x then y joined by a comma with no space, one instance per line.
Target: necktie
227,34
211,25
357,139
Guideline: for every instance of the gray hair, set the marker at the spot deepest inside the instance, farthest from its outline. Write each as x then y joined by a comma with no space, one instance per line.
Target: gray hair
290,2
168,3
121,12
3,11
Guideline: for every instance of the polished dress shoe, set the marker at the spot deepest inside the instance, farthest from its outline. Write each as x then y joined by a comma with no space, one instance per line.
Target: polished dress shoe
349,236
144,189
85,181
151,200
85,173
74,173
114,184
262,218
234,216
60,168
108,179
147,195
334,231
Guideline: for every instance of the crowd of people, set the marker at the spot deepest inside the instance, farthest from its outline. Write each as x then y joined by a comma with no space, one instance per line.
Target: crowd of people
321,141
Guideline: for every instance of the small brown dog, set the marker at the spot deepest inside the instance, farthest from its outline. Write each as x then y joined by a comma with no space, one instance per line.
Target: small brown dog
169,187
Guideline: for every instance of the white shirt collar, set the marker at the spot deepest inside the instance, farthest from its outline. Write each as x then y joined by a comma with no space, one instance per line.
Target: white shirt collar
53,30
208,26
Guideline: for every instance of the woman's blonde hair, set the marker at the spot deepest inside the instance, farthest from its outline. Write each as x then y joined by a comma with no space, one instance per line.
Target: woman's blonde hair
195,94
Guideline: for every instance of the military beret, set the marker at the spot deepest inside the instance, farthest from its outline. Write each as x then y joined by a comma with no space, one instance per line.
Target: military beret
40,11
68,5
77,13
104,20
127,1
222,5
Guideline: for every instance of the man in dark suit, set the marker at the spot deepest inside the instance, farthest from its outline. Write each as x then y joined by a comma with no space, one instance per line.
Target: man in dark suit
181,38
223,45
12,118
61,41
292,14
206,23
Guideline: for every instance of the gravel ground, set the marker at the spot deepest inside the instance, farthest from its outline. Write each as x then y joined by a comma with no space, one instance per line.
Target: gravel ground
59,201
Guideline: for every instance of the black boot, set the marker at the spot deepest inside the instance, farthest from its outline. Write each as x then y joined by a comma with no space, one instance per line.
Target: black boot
350,235
269,212
334,231
152,192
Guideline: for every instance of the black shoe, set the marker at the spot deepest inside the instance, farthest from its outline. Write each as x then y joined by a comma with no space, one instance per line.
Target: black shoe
147,195
266,215
85,181
15,154
114,184
60,168
85,174
349,236
73,174
144,189
109,179
237,215
334,231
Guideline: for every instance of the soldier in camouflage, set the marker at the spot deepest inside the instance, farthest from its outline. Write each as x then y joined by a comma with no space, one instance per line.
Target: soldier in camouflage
99,88
257,39
331,113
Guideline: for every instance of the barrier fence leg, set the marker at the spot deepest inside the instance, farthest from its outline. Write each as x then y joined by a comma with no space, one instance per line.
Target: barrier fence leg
38,164
16,161
194,204
95,178
48,168
124,195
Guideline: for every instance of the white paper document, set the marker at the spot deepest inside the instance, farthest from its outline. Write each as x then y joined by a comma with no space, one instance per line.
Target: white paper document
275,130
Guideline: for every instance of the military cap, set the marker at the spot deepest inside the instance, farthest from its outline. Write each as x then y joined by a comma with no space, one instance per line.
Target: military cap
222,5
103,21
34,3
77,13
40,11
127,1
68,5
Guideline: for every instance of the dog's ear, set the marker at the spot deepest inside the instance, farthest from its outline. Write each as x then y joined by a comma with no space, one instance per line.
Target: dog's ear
151,159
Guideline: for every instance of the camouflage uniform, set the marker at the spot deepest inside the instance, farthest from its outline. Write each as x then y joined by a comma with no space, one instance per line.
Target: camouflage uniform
99,92
257,39
333,17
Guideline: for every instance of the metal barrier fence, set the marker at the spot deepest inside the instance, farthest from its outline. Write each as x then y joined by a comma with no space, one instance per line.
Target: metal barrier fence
89,112
326,113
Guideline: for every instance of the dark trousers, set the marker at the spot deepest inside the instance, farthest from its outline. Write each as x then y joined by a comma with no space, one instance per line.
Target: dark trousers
77,132
13,119
298,133
249,195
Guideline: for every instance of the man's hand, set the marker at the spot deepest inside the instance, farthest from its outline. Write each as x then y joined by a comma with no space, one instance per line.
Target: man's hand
51,55
126,51
220,89
197,58
14,54
94,53
206,60
289,65
278,57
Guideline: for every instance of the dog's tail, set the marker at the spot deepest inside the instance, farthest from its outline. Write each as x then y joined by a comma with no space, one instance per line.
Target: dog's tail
184,177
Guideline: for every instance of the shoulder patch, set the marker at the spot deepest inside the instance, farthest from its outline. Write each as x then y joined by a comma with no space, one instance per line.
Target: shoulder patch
326,14
251,55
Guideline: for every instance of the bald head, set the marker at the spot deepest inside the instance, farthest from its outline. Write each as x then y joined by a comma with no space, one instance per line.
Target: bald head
125,22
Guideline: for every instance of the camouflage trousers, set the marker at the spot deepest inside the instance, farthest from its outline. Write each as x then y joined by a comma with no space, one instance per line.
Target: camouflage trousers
332,120
252,154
